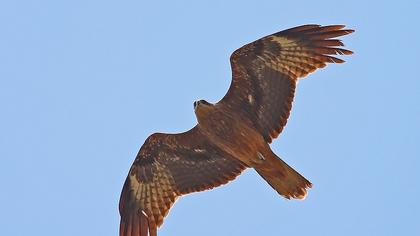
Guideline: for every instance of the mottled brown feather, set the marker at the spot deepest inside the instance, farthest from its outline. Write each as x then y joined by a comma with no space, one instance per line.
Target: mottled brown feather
167,167
264,77
265,72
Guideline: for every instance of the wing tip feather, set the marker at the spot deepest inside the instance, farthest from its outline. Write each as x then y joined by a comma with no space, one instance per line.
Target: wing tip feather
317,28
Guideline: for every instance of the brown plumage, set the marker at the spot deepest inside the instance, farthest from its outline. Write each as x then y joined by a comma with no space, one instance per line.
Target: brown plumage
232,134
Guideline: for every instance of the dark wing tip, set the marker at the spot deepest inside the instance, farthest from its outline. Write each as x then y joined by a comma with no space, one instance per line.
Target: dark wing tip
349,31
316,28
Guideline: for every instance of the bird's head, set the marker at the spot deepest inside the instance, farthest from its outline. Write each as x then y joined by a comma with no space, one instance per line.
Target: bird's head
201,106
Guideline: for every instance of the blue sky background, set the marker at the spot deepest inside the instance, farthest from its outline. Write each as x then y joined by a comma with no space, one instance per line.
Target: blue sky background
83,83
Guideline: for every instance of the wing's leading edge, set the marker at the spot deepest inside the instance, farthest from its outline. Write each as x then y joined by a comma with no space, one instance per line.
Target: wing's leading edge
166,167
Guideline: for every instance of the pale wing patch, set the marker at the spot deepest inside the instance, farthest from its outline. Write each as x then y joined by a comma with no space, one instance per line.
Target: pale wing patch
283,41
292,59
275,61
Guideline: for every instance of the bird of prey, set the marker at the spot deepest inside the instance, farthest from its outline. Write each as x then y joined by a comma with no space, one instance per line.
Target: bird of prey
232,134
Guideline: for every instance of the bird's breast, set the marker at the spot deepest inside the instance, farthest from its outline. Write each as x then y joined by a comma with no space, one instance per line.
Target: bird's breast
232,133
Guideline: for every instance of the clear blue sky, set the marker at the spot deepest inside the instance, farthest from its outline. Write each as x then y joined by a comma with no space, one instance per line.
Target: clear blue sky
83,83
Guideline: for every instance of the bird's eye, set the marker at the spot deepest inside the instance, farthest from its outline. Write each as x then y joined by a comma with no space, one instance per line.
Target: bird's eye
195,104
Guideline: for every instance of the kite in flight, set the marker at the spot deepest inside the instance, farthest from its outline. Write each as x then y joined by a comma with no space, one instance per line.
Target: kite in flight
232,134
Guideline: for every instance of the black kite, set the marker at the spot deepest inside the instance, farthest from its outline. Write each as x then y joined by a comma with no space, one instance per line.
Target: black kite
233,134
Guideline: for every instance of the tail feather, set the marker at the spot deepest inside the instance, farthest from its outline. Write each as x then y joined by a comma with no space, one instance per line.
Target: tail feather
283,178
137,224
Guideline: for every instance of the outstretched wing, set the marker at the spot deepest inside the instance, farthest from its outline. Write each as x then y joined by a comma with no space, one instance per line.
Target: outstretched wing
265,73
166,167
